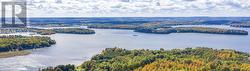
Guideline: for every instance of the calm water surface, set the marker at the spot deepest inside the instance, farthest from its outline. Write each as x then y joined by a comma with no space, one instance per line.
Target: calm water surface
75,49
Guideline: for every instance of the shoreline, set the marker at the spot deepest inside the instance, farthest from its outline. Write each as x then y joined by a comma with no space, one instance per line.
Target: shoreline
13,54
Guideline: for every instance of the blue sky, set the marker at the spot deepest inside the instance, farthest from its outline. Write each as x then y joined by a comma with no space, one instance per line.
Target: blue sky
137,8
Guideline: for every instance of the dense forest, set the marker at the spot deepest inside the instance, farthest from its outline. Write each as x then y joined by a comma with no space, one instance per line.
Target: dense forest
188,59
169,30
16,42
74,31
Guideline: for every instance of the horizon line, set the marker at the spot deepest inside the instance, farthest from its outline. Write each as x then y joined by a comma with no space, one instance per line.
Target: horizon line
148,17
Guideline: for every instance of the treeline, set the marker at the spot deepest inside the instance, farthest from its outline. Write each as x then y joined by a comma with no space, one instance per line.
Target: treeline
128,26
163,28
241,25
16,42
189,59
190,30
74,31
48,31
133,26
68,67
56,24
44,31
111,26
64,30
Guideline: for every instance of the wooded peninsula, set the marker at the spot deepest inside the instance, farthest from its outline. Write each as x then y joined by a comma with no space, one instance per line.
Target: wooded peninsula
191,30
13,45
188,59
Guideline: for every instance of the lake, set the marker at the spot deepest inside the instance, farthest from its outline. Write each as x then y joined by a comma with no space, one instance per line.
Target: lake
75,48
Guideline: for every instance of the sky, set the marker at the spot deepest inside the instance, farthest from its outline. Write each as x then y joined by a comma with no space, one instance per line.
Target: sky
137,8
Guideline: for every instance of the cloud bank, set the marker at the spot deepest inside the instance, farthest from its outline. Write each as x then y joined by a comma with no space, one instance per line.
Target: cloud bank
137,8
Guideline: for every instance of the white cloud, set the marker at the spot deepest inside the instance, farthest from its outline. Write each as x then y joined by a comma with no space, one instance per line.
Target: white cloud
82,8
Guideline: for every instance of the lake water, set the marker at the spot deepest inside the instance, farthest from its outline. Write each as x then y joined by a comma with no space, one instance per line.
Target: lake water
75,49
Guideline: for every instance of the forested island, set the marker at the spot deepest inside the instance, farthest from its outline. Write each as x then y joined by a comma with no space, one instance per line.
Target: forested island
12,45
74,31
169,30
188,59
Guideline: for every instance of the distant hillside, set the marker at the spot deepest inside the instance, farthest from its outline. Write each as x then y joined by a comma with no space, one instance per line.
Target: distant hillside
128,20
